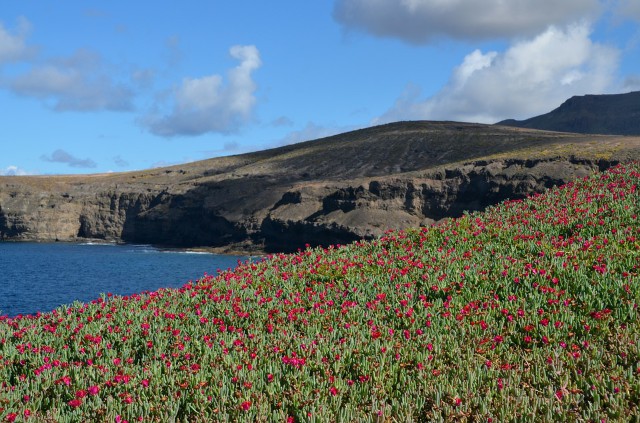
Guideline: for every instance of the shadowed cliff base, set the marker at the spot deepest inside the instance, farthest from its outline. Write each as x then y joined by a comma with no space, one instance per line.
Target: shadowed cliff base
328,191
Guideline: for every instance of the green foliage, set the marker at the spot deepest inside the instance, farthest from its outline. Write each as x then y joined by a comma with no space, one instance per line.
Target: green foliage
528,311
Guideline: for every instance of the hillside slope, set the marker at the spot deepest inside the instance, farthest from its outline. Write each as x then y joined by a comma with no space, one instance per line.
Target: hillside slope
333,190
617,114
526,312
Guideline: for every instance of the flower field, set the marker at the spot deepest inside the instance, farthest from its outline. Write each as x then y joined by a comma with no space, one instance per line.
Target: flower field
528,311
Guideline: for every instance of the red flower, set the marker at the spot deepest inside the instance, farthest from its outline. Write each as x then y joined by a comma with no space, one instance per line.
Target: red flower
75,403
93,390
246,405
333,391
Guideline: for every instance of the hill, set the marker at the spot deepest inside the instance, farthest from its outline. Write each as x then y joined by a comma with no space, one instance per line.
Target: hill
333,190
527,312
617,114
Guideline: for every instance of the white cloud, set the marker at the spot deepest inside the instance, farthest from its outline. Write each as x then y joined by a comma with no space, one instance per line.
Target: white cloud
629,9
14,171
74,83
61,156
13,46
208,104
632,83
531,77
420,21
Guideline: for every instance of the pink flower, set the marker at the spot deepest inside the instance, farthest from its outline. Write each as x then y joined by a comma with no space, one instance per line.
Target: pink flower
246,405
144,382
93,390
333,391
75,403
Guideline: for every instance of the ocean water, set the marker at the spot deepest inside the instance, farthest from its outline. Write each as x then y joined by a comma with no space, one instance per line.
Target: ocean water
40,276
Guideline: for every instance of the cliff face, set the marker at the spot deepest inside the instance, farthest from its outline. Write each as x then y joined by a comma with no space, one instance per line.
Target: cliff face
366,208
331,191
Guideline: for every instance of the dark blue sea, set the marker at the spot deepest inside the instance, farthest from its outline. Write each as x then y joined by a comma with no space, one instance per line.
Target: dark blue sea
41,277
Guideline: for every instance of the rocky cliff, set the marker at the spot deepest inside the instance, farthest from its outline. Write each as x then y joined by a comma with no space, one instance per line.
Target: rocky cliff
329,191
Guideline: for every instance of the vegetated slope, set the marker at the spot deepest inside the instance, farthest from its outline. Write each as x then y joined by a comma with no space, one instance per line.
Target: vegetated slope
526,312
334,190
617,114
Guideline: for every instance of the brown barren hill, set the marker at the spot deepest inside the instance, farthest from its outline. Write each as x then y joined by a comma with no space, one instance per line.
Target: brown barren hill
333,190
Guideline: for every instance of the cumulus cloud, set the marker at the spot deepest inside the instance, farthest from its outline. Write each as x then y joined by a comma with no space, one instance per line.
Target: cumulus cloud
629,9
529,78
13,171
13,46
61,156
208,104
74,83
420,21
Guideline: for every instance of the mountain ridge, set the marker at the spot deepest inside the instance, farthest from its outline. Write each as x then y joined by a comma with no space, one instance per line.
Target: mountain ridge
613,114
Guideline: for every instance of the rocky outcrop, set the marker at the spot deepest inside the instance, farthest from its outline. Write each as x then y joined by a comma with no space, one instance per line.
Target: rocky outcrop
368,207
319,193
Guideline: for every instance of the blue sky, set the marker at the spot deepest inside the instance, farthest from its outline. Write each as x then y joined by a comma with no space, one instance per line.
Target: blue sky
88,86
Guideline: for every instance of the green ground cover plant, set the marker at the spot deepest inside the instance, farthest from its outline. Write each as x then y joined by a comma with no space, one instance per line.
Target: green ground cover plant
528,311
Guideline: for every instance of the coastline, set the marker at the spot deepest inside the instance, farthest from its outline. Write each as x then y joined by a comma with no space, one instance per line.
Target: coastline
244,249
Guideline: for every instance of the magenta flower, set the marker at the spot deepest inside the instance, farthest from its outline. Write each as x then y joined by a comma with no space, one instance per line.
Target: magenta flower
75,403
